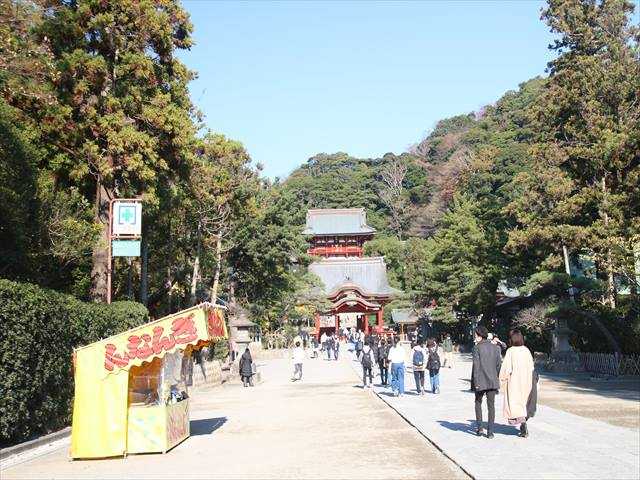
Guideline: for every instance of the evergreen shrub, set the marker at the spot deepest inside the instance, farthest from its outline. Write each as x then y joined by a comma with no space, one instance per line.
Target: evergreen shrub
38,330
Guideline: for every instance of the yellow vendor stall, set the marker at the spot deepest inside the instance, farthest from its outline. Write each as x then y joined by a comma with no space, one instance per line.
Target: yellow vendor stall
130,390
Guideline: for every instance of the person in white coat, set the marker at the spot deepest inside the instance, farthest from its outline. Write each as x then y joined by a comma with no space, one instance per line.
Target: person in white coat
298,358
516,381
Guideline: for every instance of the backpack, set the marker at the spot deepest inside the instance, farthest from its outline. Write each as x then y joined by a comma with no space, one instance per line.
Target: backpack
418,358
366,359
434,361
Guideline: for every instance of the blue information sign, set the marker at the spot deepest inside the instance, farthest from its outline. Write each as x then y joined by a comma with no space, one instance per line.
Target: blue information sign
125,248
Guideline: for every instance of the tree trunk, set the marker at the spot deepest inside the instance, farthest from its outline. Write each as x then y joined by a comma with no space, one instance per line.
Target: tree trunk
144,280
169,285
611,286
130,280
216,276
196,271
100,257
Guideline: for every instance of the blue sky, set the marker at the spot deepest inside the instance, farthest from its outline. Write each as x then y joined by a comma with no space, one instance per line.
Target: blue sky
292,79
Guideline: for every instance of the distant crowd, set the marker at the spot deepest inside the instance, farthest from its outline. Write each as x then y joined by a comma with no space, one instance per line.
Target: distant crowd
385,356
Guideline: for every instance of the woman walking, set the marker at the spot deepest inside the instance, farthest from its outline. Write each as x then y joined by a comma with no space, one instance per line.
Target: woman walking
516,379
433,365
246,368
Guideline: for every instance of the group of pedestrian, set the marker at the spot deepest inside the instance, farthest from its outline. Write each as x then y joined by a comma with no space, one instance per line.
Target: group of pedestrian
426,358
514,376
389,356
330,344
372,352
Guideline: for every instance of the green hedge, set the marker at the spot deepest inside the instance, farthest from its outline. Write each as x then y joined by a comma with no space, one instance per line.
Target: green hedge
38,330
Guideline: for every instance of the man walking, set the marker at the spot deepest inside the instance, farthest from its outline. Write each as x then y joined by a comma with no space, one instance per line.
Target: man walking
418,361
396,358
330,346
359,343
298,358
367,366
336,346
447,348
486,368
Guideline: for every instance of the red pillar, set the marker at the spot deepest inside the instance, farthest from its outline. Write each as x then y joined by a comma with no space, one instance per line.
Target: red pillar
317,325
380,318
337,325
366,324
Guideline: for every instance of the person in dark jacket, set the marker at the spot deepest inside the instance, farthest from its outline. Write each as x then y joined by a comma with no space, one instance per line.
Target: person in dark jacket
336,346
485,371
383,362
246,368
330,346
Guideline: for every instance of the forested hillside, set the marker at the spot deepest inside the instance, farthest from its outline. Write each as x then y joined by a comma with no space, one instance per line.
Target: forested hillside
498,195
449,195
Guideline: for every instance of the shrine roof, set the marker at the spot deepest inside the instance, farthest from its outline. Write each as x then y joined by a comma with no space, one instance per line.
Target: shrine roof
332,221
367,274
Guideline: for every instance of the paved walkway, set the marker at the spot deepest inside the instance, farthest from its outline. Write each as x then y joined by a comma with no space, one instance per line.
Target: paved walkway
323,427
561,444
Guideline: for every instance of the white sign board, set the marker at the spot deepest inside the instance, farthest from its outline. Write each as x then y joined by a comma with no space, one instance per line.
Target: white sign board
327,321
348,320
127,218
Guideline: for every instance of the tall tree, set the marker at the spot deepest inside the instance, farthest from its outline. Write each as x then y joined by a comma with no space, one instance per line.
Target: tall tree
223,188
583,190
455,269
124,95
392,194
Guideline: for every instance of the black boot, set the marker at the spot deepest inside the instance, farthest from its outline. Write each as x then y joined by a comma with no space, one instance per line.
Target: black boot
524,431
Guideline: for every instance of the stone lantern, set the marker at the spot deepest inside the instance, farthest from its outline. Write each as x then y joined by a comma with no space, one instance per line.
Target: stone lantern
239,326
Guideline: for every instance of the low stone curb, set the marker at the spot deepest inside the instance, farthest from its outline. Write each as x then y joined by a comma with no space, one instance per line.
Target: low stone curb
5,453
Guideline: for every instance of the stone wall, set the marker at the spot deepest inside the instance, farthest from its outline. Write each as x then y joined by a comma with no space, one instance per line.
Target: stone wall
206,373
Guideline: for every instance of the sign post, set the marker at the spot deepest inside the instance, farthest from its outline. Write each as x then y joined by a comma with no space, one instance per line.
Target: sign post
125,232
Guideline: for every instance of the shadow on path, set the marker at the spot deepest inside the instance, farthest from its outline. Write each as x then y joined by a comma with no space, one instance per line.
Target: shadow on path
470,427
206,426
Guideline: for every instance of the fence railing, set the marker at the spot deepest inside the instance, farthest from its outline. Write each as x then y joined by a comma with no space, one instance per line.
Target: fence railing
610,363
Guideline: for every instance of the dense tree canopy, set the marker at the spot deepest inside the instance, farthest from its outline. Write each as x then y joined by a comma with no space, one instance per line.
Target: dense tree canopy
94,104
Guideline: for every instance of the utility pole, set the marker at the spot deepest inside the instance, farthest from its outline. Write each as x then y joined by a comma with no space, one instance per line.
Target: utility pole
564,358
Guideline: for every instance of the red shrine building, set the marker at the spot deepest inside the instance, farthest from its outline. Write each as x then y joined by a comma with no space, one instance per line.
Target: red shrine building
356,286
339,232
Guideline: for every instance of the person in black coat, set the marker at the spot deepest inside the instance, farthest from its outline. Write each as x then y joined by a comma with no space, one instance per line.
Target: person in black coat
331,345
246,368
485,371
383,364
